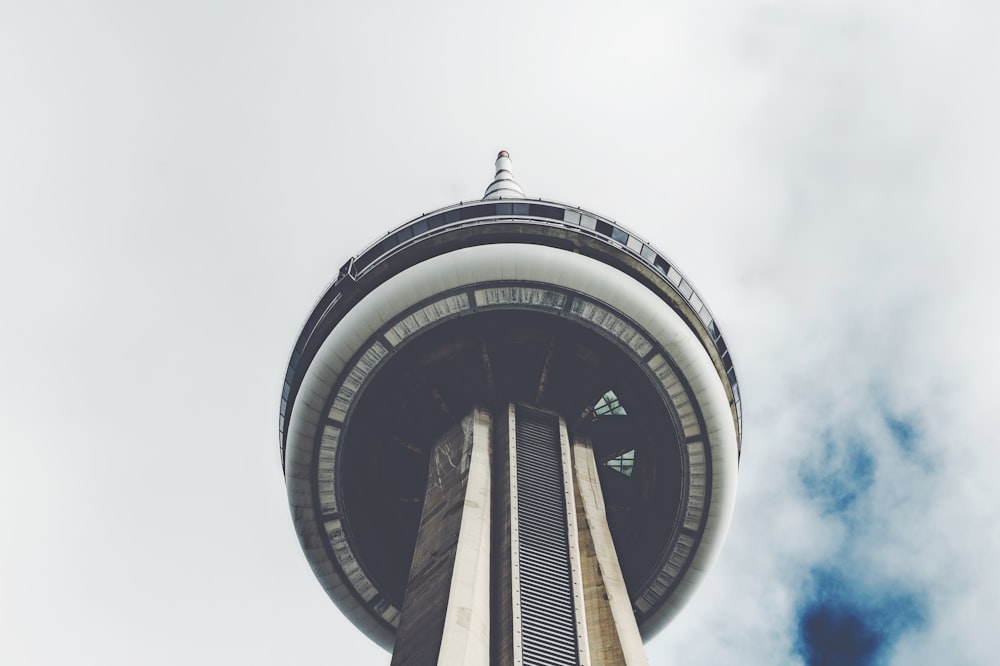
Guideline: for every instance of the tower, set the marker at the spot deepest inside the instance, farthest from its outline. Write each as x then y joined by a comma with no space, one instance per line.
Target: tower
510,432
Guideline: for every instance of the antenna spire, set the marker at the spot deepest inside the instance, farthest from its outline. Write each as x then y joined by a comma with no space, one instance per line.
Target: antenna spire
504,186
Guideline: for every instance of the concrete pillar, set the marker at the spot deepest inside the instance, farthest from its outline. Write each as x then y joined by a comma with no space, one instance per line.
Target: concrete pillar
612,631
446,613
515,565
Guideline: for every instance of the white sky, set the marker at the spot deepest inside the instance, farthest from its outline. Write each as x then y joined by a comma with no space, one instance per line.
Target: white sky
180,180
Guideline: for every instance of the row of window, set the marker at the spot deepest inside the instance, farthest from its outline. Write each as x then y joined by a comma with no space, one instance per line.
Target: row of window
574,217
578,218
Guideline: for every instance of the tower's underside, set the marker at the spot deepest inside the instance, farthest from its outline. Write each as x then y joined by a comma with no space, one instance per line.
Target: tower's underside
514,562
510,432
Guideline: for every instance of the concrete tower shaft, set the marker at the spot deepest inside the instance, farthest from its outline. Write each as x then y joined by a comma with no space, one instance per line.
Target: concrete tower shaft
514,561
472,309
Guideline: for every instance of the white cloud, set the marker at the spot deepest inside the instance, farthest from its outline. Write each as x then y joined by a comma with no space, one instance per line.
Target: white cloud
181,181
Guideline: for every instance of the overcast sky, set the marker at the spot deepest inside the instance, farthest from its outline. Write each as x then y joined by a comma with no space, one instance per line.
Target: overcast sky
180,180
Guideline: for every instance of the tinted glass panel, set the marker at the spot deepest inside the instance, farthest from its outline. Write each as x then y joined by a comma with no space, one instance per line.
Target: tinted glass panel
505,209
619,235
482,210
550,212
369,256
452,216
603,228
520,209
623,463
608,404
696,302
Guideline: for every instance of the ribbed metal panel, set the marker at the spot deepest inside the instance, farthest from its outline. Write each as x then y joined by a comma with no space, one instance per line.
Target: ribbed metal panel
548,621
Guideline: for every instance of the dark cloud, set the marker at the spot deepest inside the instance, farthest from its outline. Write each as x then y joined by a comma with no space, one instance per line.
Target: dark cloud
842,624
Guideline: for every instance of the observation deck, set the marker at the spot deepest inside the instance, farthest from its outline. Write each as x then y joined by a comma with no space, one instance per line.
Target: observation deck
487,303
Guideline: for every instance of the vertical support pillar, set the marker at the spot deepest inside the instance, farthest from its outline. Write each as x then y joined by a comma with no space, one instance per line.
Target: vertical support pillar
446,613
503,635
528,576
612,631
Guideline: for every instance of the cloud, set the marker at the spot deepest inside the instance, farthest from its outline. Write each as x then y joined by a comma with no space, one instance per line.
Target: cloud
842,625
840,471
184,182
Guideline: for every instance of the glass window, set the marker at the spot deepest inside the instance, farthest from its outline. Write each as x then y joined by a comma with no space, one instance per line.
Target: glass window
603,228
624,463
648,253
571,216
452,216
370,256
619,235
551,212
505,209
712,330
686,289
420,227
609,404
520,209
482,210
588,222
673,276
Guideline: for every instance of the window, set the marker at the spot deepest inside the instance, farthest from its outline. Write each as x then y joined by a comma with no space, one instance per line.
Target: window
624,463
608,404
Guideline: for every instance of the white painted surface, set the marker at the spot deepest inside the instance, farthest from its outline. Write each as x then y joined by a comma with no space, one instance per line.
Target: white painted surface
544,265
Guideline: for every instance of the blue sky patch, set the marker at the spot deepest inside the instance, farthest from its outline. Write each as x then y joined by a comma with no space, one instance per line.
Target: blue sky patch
903,432
841,624
841,472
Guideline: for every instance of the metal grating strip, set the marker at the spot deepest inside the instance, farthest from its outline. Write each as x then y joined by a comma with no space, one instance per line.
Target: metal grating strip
548,621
